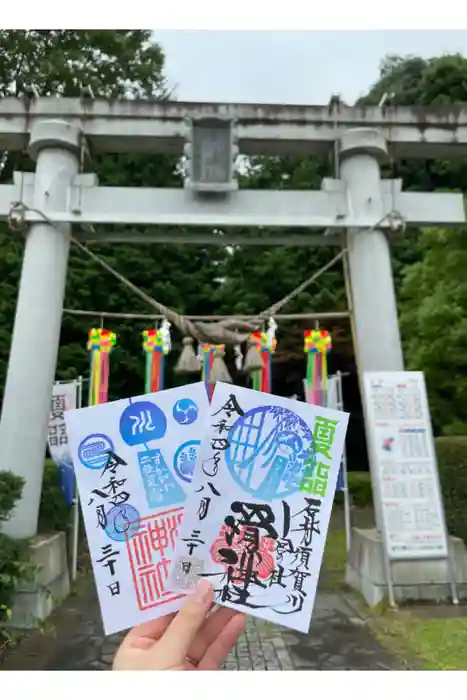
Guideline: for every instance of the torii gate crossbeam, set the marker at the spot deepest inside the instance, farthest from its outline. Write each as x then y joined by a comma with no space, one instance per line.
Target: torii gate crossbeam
146,126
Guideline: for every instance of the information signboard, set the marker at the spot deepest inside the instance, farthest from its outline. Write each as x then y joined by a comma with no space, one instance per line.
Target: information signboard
404,465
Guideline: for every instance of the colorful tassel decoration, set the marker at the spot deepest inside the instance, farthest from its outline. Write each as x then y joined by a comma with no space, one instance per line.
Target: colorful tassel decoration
156,344
207,360
100,344
317,345
265,344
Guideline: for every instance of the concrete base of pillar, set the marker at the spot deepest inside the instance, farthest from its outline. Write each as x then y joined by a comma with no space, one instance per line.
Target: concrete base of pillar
35,600
413,581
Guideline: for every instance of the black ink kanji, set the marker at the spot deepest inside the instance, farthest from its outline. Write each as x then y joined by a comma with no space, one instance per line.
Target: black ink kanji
211,486
231,406
108,559
203,507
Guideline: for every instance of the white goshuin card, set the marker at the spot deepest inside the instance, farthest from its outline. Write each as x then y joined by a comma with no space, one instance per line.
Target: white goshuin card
134,461
258,512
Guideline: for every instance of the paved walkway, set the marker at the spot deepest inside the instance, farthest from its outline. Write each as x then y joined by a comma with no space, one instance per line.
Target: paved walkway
338,640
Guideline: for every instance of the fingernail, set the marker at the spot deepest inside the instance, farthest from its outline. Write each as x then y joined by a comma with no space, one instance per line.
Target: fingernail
203,592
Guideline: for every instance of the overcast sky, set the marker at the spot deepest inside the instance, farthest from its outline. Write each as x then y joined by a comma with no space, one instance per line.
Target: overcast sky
291,66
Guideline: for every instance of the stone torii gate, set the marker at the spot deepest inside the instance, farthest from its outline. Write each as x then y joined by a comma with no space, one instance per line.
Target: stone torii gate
57,131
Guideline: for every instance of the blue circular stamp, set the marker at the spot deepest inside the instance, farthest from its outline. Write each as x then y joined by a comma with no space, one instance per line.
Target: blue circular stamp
185,411
123,522
270,450
185,459
93,451
142,422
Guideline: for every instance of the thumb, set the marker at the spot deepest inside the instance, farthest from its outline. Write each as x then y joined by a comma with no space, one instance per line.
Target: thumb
180,634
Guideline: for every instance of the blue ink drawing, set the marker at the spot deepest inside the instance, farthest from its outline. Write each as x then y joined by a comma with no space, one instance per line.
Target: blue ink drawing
93,451
269,449
123,522
141,422
159,483
185,459
185,411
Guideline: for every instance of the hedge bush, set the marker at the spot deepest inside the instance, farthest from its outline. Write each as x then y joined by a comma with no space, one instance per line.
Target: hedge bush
11,488
452,464
54,512
13,560
360,489
54,515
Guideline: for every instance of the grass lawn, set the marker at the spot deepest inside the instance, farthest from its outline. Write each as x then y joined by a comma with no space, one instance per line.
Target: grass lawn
333,569
435,642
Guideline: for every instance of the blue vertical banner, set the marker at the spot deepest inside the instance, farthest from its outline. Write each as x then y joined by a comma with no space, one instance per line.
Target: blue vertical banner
340,479
64,398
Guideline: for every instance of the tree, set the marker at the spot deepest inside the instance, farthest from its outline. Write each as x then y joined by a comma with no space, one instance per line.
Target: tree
112,63
430,264
434,323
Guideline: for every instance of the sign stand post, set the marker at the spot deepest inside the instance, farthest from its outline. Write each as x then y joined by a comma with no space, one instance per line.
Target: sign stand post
345,480
75,514
404,469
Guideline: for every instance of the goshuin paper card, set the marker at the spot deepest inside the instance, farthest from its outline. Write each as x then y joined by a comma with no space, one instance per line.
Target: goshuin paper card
257,516
134,461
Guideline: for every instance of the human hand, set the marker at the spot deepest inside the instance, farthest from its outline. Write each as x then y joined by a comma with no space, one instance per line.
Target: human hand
185,641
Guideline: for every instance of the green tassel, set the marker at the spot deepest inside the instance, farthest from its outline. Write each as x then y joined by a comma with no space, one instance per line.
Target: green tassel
256,379
147,381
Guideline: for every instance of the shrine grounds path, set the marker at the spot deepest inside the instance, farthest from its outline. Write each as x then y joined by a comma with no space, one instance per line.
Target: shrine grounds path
338,640
340,637
344,633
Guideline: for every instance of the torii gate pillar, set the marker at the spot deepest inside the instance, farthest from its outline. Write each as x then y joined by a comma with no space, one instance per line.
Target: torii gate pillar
36,332
377,333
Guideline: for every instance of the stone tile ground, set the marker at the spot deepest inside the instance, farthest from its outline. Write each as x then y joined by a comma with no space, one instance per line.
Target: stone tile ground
338,640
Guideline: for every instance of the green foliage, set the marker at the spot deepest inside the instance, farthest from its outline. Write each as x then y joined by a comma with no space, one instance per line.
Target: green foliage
452,464
54,512
54,515
11,488
359,484
113,63
434,324
416,82
430,265
13,565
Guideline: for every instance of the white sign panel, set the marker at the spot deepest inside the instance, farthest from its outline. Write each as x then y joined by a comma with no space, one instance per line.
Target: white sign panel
256,521
64,397
404,463
134,462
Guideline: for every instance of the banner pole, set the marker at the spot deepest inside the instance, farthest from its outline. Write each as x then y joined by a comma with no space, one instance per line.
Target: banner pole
345,480
75,514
